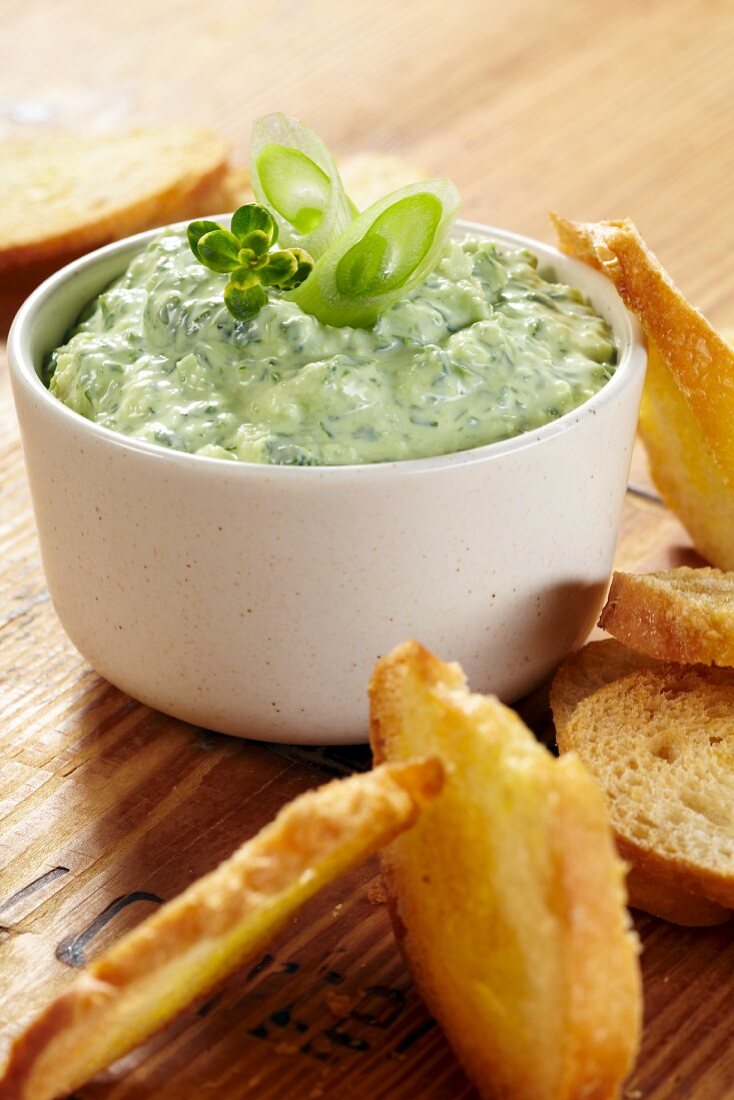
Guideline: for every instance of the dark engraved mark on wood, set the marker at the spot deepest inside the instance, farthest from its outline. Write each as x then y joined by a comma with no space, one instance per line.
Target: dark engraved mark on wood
321,1049
380,1006
283,1017
209,1005
413,1036
333,977
342,1038
275,977
33,887
258,968
73,951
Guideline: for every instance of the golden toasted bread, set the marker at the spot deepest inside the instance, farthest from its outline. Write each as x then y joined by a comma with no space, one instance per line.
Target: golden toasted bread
684,615
661,744
367,177
581,674
66,194
683,466
225,917
234,191
589,668
699,359
508,897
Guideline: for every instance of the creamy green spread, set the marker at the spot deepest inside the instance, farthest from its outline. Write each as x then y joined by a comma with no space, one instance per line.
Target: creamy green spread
486,348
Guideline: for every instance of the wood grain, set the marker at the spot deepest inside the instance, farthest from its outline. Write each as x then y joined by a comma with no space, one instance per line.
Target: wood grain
107,808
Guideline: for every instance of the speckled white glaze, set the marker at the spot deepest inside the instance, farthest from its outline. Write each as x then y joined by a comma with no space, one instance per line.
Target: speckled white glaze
255,599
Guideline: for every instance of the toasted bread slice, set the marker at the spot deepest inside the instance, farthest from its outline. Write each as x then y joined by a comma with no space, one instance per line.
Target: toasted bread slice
650,888
225,917
683,467
508,898
368,177
661,743
588,669
687,409
66,194
234,191
684,615
699,359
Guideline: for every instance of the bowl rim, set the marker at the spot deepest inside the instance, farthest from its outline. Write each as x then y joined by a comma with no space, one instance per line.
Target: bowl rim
626,328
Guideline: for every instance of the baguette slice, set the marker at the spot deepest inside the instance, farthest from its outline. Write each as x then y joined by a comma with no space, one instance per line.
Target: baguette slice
682,465
222,919
650,889
699,359
66,194
687,412
508,899
368,177
588,669
661,743
684,615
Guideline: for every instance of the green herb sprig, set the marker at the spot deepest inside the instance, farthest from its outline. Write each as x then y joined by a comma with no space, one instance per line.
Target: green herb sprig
244,251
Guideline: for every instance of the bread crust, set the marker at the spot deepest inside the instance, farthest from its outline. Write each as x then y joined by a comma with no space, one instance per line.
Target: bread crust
700,361
683,467
684,615
660,742
509,899
651,887
193,942
69,194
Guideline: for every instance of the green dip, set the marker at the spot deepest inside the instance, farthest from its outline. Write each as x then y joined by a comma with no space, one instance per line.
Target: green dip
484,349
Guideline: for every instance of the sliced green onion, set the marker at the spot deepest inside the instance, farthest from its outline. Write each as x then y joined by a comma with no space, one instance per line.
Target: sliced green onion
384,253
294,174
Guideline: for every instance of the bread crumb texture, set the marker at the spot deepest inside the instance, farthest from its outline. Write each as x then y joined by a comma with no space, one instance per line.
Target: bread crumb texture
66,194
661,743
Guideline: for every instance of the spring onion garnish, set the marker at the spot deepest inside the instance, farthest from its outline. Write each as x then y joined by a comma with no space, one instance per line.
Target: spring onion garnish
244,252
385,252
293,173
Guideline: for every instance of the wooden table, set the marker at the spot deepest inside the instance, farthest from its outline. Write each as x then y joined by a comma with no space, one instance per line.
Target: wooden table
108,808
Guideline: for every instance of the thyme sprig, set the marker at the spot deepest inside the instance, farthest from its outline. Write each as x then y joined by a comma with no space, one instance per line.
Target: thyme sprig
244,251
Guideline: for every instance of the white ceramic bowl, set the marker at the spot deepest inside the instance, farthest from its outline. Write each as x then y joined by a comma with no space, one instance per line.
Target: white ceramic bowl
255,599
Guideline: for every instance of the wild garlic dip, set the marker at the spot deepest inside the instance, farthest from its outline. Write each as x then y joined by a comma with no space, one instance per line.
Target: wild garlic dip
484,349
